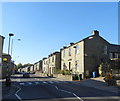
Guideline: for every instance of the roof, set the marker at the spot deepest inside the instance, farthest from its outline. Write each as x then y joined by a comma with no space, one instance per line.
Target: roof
2,36
114,48
84,40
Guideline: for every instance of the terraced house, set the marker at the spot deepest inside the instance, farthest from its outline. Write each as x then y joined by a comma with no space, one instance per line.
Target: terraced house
51,63
38,66
54,62
32,68
1,52
84,57
45,65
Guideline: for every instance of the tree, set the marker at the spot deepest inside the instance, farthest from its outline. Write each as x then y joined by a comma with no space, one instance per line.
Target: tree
28,64
19,65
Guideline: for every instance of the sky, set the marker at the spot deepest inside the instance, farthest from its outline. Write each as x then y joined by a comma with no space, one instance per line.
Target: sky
45,27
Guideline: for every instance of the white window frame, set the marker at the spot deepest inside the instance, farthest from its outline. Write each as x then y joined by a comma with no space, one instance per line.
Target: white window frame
64,53
70,51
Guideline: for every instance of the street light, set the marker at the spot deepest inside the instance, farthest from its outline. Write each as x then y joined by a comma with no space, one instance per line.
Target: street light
10,34
12,45
8,81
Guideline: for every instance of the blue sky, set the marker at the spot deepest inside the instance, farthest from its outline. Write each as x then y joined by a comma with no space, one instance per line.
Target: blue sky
46,27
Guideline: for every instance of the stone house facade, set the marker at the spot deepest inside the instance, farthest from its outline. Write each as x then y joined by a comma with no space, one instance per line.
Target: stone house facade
85,56
32,68
54,62
38,66
45,66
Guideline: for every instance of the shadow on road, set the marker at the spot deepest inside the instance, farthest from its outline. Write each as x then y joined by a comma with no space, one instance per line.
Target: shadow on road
82,89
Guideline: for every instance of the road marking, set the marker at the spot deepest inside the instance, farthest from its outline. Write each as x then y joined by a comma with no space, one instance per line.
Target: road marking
66,91
17,96
36,82
17,92
22,83
44,82
77,97
51,82
56,87
29,83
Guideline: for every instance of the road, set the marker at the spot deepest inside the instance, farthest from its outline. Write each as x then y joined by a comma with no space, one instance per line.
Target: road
52,89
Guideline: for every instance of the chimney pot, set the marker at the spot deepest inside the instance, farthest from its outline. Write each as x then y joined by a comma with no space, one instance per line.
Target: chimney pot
95,32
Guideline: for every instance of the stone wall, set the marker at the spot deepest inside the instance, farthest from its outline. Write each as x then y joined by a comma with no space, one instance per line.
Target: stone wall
63,77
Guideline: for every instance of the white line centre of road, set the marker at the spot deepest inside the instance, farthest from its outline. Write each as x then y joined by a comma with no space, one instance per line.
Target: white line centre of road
67,92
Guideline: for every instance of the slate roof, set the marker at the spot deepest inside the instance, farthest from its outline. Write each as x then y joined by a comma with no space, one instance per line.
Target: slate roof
114,48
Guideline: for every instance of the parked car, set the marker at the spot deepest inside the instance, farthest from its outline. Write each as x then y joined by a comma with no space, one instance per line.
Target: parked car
26,74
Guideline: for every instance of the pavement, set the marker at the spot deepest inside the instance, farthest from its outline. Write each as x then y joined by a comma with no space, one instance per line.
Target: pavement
99,83
7,91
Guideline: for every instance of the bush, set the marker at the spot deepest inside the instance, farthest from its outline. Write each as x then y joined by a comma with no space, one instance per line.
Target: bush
64,72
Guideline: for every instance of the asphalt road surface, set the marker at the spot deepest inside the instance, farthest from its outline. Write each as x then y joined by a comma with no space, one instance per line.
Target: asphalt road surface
52,89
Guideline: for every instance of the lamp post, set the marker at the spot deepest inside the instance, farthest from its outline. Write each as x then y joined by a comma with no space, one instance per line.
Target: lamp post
10,34
12,45
8,81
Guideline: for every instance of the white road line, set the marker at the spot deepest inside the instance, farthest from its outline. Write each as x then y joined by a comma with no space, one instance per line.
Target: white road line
56,87
17,92
17,96
77,97
29,83
36,82
44,82
51,82
66,91
22,83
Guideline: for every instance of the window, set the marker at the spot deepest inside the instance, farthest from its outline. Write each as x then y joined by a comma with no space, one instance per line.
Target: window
113,55
110,55
49,60
64,53
70,52
105,50
76,64
116,55
53,59
76,49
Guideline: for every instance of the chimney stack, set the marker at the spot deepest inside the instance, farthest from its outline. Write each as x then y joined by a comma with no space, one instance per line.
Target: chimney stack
95,32
71,43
